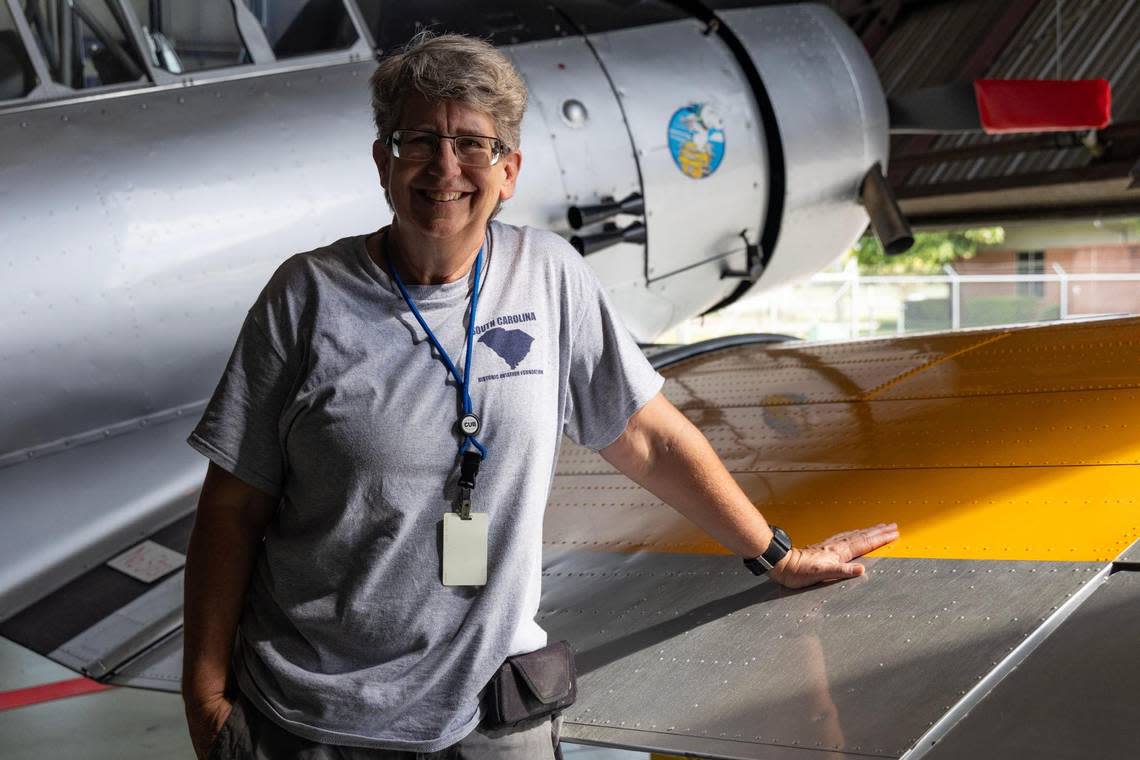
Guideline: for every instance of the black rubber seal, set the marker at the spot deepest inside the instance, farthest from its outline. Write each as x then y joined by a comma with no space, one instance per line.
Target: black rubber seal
668,356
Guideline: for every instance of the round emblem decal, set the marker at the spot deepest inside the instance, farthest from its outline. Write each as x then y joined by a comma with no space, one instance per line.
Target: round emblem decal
696,140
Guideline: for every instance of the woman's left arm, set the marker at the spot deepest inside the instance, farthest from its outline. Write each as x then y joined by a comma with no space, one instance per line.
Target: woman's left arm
662,451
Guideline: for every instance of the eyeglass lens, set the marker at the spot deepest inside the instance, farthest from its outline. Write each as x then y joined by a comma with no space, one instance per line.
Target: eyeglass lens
471,150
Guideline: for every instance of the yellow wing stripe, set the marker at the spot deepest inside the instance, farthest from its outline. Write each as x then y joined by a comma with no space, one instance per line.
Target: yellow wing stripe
1003,444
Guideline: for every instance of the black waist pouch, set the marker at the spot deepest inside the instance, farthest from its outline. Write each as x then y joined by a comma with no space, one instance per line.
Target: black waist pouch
530,687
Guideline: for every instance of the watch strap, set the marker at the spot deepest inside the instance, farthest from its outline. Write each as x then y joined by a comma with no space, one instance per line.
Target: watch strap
777,549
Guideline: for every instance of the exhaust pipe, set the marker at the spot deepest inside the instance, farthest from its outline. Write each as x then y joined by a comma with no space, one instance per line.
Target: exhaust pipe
887,220
580,216
611,235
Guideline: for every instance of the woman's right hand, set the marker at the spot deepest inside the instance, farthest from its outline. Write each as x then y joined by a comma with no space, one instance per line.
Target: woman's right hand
830,560
205,720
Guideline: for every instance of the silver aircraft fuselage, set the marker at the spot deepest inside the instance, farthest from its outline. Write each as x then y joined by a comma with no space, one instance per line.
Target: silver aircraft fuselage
140,222
139,225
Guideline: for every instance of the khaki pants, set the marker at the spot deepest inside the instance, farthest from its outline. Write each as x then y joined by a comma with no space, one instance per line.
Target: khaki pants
249,735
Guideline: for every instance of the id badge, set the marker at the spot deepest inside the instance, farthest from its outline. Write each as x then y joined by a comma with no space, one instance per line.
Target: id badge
465,549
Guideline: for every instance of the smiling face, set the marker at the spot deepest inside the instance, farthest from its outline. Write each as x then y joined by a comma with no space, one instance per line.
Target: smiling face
441,199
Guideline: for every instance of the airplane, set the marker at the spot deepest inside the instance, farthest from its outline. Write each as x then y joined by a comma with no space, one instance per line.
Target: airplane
695,153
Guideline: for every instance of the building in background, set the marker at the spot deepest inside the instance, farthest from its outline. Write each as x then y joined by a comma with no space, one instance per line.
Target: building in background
1038,273
1089,248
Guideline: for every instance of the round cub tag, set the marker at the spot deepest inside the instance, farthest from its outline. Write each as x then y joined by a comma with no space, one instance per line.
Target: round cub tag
469,424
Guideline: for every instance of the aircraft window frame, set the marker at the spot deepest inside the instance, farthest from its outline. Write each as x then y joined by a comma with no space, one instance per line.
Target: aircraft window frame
502,22
32,54
363,47
112,45
151,39
49,92
264,62
104,21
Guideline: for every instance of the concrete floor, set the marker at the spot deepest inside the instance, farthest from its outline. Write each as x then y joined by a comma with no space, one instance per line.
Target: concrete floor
119,724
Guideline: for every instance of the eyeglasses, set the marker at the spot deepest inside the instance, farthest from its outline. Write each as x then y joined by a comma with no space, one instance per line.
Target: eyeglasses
470,150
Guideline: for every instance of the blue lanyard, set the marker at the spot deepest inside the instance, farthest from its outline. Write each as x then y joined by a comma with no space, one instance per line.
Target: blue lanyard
464,380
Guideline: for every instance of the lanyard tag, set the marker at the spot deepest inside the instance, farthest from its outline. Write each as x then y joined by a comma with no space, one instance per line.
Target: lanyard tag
465,549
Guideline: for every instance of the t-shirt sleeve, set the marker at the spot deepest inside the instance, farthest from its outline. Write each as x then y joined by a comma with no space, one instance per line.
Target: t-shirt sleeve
609,378
239,430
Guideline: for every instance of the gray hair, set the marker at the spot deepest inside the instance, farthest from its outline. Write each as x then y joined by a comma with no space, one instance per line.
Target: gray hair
450,67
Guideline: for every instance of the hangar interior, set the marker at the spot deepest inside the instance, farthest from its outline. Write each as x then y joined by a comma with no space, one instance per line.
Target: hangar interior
1002,624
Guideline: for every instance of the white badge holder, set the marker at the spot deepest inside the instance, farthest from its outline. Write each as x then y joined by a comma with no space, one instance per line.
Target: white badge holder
465,549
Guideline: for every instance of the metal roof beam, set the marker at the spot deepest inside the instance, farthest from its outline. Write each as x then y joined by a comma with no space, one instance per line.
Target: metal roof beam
1110,135
879,28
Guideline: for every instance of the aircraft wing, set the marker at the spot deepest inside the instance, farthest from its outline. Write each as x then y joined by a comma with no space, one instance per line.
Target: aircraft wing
1002,623
999,625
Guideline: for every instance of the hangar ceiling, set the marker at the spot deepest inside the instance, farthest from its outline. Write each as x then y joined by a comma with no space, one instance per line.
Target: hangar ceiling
955,179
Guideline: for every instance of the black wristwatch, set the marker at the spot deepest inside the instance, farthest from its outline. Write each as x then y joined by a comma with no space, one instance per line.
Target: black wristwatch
779,547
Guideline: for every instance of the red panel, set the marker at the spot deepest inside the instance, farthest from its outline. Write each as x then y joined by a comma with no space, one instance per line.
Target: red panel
49,691
1043,105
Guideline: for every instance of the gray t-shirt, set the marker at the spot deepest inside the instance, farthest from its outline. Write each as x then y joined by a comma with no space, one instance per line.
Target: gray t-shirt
334,400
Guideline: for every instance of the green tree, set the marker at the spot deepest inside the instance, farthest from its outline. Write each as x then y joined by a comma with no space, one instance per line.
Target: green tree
931,250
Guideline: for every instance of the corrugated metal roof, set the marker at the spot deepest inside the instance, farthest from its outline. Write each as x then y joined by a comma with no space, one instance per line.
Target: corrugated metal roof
933,45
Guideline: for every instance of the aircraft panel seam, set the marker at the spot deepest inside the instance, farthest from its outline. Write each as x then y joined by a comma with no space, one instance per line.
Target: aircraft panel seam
806,401
314,62
854,468
868,395
620,104
1020,653
818,752
69,442
868,153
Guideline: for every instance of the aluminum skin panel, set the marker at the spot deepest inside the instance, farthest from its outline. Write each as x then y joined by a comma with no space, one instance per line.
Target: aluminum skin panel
689,220
678,643
1074,697
690,291
158,668
832,117
593,159
696,647
139,228
982,463
674,746
68,512
120,636
801,437
805,373
975,513
1033,359
612,607
594,153
80,605
1013,432
142,227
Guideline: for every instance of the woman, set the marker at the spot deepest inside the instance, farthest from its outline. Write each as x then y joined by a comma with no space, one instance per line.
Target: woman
390,384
